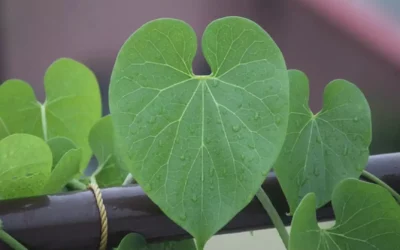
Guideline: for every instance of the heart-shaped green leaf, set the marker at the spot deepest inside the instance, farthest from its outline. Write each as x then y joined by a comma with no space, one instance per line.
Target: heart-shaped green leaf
71,108
135,241
59,147
25,165
200,146
65,170
101,140
367,218
322,149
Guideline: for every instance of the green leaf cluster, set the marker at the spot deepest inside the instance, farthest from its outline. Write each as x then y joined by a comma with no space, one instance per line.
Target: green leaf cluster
201,145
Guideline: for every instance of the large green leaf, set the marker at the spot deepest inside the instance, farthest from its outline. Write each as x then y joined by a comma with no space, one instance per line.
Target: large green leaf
322,149
71,108
101,140
135,241
367,218
25,165
200,146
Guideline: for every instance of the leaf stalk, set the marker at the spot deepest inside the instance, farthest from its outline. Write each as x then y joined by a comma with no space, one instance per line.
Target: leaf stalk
273,214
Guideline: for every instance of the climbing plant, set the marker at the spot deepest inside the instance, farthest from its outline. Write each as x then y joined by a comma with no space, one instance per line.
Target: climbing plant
200,146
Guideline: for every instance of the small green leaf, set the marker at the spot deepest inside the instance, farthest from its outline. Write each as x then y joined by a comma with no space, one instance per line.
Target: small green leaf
367,218
59,147
200,146
323,149
25,165
71,108
135,241
101,140
65,170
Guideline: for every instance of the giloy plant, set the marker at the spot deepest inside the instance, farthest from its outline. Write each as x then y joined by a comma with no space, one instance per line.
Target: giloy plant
200,146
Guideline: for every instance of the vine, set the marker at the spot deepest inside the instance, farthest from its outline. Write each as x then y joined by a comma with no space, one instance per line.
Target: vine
201,146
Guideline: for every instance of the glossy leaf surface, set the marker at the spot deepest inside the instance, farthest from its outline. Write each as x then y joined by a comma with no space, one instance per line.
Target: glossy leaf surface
200,146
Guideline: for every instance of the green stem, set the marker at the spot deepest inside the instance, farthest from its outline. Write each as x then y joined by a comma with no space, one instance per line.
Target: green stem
378,181
9,240
128,180
74,184
273,214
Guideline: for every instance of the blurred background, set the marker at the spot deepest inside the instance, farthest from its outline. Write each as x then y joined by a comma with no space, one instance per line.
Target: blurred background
357,40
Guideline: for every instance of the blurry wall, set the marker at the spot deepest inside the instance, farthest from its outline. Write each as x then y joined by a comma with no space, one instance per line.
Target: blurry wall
35,33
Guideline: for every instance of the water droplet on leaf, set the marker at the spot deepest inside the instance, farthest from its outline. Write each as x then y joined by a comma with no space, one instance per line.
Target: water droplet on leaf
355,119
194,198
256,116
160,143
316,171
346,150
215,83
236,128
182,216
182,157
318,140
277,120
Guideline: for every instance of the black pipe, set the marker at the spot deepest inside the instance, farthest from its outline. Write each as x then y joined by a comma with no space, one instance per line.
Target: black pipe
71,220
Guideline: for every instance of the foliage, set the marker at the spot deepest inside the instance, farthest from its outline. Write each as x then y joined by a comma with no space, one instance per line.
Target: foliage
367,217
221,132
322,149
201,146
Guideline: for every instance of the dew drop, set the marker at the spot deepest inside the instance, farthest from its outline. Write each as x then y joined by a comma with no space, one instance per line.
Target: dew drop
219,121
298,123
360,167
318,140
346,150
177,140
236,128
241,177
208,140
182,157
214,83
182,216
243,157
240,105
224,171
250,198
251,146
355,119
264,173
194,198
316,171
160,143
256,116
278,120
223,111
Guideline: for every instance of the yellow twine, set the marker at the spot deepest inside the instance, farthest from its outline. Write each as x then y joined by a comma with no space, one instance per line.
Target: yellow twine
103,215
